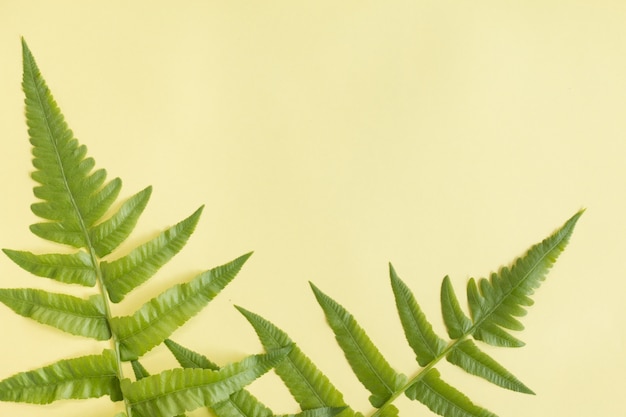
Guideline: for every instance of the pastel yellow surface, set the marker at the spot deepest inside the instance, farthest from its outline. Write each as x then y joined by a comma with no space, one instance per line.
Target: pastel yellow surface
333,137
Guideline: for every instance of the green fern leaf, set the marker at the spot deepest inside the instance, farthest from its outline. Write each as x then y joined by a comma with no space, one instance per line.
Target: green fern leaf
71,314
444,399
85,377
241,404
318,412
388,410
157,319
495,303
73,195
108,235
123,275
188,358
307,384
74,268
467,356
139,370
457,323
368,364
244,404
176,391
141,373
419,332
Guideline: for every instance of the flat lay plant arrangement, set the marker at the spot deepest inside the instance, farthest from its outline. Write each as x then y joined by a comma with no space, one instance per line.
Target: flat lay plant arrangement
75,200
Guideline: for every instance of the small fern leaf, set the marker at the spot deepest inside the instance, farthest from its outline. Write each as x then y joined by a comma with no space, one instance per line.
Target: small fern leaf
176,391
318,412
187,358
123,275
495,303
139,370
470,358
241,404
418,331
156,320
444,399
74,268
307,384
71,314
85,377
388,410
108,235
457,323
367,363
73,195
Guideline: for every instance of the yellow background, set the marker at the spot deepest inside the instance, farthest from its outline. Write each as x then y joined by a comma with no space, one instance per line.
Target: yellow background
333,137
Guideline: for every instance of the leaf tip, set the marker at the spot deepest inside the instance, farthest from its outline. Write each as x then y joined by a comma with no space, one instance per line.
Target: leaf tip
392,271
246,313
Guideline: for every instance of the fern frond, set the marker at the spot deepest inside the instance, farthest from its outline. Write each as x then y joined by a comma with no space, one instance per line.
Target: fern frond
495,307
75,201
368,364
85,377
71,314
176,391
76,268
156,320
123,275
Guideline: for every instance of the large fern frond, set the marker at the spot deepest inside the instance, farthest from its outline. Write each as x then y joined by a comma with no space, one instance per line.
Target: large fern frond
496,304
75,203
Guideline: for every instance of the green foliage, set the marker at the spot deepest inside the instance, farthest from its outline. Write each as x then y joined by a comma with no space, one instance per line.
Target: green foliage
495,306
75,202
242,403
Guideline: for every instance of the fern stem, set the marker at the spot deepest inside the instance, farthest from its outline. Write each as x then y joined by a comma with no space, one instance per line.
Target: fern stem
109,315
107,306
